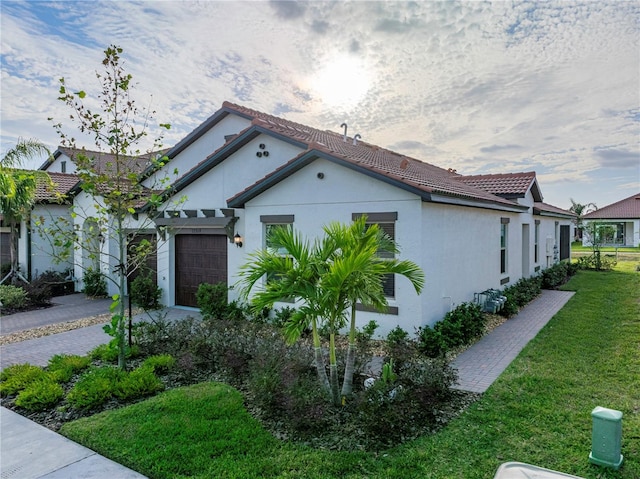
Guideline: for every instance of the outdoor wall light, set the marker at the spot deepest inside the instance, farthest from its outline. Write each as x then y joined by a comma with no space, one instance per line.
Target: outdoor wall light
237,239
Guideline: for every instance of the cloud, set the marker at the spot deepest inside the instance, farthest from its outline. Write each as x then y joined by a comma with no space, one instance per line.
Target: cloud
617,157
481,87
495,148
288,9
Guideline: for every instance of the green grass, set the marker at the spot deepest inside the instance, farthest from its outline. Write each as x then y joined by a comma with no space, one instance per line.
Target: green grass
578,248
537,412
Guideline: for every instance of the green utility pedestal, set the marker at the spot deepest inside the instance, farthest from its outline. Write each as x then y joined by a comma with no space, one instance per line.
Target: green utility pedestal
606,438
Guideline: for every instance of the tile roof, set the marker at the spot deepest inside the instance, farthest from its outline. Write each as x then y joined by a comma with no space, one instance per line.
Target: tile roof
629,208
104,161
61,184
395,166
508,185
539,207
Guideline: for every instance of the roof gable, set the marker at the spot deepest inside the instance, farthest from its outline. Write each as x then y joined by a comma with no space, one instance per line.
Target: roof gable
104,162
628,208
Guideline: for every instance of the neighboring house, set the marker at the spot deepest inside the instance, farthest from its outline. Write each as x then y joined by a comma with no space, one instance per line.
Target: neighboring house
35,251
85,221
623,215
244,172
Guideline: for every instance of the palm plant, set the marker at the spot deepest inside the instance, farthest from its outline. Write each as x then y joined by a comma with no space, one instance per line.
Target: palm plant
295,275
360,268
17,193
328,278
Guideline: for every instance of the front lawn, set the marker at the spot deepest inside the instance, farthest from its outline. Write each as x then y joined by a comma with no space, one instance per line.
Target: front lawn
576,246
537,412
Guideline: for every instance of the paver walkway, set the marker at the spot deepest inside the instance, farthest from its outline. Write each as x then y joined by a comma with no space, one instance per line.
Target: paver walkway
65,308
77,341
480,365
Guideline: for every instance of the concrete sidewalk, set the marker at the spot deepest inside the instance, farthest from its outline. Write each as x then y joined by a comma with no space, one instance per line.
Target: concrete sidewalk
480,365
31,451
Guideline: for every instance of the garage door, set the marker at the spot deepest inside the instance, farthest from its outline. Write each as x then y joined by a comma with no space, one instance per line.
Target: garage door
199,259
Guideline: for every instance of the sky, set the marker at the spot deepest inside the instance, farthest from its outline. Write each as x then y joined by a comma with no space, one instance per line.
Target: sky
481,87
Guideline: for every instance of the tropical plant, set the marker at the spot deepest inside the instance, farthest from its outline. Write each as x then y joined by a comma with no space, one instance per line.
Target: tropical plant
329,278
598,234
17,194
293,275
358,271
580,210
115,187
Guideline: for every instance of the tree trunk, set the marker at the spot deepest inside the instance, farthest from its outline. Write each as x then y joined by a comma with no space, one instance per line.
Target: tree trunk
122,348
347,382
333,370
319,360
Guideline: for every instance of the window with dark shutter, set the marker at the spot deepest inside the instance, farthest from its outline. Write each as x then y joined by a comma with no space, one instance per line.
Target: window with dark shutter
386,222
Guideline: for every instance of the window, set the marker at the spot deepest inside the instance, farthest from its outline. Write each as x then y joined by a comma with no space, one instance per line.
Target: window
536,248
504,232
63,166
271,223
386,222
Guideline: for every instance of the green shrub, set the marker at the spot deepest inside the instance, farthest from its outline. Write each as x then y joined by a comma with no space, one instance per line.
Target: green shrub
458,328
161,363
138,383
95,284
281,316
520,294
95,387
390,412
12,296
62,367
144,291
397,336
212,300
109,352
556,275
57,282
38,292
399,347
430,342
40,395
597,261
17,377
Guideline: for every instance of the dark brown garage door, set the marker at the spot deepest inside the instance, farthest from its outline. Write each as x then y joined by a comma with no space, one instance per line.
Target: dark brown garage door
199,259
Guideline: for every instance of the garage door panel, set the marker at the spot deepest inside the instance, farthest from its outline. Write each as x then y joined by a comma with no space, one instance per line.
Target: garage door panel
199,259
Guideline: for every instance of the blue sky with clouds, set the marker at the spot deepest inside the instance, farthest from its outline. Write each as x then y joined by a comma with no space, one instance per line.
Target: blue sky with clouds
480,87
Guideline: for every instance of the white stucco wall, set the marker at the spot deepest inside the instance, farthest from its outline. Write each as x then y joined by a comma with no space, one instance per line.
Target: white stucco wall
200,149
43,251
341,192
56,165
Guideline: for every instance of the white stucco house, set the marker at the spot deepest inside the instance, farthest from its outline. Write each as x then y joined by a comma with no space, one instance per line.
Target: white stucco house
242,171
624,216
